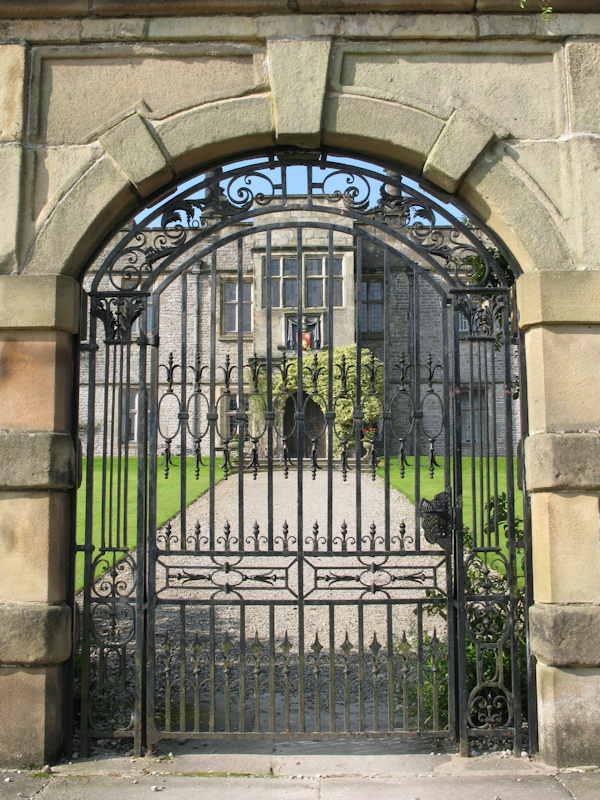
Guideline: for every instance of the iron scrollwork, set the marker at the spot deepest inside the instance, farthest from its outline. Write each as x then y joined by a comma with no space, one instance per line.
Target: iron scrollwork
436,518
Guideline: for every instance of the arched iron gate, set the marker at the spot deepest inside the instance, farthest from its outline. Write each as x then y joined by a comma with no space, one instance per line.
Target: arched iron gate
352,566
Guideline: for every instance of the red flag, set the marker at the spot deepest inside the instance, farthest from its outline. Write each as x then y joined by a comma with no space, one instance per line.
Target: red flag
306,340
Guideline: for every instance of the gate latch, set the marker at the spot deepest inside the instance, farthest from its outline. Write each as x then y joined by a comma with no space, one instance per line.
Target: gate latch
436,518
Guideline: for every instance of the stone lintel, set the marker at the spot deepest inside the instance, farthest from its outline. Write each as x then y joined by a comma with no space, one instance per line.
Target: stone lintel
34,634
565,635
298,73
134,148
39,301
559,298
37,461
556,461
460,143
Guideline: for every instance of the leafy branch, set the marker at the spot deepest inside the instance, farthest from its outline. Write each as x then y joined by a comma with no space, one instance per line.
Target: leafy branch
545,9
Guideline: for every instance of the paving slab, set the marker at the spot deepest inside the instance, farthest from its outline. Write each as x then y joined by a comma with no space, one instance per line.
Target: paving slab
176,787
299,772
584,786
15,785
448,788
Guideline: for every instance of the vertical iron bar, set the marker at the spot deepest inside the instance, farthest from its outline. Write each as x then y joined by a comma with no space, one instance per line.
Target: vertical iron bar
459,679
420,702
330,409
151,324
495,441
361,669
358,422
212,670
331,668
300,537
510,509
183,413
418,426
387,417
140,595
270,409
390,668
88,540
212,401
531,660
241,428
272,668
182,668
242,676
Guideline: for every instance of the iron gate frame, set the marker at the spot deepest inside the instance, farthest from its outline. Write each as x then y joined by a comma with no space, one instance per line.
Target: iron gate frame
118,310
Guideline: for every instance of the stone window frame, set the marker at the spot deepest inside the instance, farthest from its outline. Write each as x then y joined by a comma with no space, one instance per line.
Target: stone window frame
233,334
281,279
368,279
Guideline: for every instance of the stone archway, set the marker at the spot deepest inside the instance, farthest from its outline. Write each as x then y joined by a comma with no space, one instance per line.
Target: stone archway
135,156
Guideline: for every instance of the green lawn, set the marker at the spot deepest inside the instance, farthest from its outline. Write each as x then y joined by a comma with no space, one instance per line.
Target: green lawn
432,486
167,501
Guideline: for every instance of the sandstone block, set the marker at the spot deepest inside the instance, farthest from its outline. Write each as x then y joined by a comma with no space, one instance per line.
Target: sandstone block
298,72
566,547
563,385
71,111
42,8
36,461
566,297
568,715
137,152
555,461
37,380
82,219
39,301
387,130
34,634
459,145
216,130
10,169
565,635
31,715
522,98
12,90
583,64
502,200
585,177
34,546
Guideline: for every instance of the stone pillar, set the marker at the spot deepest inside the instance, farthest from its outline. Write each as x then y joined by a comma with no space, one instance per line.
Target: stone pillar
38,315
560,312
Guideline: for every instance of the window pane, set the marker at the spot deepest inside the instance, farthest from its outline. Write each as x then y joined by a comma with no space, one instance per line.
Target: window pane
338,292
376,318
337,266
275,266
314,266
314,293
290,266
364,318
275,293
364,292
247,292
290,295
376,290
230,290
247,312
229,322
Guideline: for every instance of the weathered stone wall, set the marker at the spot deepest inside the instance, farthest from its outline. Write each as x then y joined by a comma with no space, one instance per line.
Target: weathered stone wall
104,103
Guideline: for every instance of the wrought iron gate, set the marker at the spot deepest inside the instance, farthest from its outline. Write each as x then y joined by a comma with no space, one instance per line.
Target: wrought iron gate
325,348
